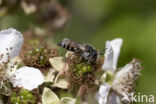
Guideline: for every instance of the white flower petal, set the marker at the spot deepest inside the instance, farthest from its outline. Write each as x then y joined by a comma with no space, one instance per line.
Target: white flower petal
103,93
28,78
10,69
113,98
1,102
112,54
10,38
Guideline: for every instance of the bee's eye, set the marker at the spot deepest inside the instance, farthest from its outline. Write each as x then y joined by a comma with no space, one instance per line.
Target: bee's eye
63,45
68,47
72,48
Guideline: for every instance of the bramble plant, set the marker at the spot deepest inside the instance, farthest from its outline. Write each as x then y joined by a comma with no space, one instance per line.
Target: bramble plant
40,76
38,56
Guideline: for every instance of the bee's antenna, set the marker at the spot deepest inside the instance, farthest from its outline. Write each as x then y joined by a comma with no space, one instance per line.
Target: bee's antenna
102,52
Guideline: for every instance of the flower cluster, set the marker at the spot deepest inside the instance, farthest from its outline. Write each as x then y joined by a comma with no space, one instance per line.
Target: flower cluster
117,85
41,76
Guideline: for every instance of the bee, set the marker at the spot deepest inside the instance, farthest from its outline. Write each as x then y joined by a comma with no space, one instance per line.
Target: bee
87,52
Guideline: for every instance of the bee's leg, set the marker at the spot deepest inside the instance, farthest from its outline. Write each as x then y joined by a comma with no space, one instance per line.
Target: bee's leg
85,56
77,51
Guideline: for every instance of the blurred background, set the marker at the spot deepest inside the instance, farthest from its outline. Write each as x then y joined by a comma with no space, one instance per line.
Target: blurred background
93,22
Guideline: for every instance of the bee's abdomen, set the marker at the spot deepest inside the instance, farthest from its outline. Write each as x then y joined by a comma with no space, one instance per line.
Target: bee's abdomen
69,47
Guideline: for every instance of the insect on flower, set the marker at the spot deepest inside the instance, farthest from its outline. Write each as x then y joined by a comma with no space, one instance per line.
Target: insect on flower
87,52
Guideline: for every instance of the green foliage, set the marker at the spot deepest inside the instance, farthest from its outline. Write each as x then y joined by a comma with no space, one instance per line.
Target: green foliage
23,97
82,68
42,52
109,77
38,56
19,66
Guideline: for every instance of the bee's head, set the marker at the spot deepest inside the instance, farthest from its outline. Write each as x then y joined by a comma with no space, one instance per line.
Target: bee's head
60,43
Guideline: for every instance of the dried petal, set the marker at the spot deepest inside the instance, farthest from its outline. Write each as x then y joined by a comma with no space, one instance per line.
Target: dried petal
28,8
49,97
67,100
49,77
57,63
61,81
126,77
